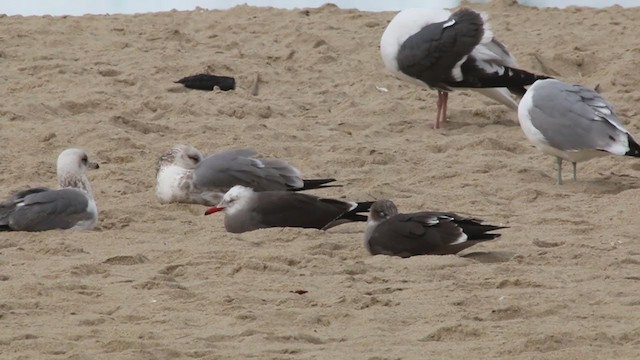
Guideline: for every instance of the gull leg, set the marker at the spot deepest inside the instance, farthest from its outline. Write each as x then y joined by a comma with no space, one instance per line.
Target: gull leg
575,178
445,100
437,124
559,162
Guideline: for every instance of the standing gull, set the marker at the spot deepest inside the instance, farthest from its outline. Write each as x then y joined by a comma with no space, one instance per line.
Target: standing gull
184,175
70,207
432,47
247,210
421,233
573,123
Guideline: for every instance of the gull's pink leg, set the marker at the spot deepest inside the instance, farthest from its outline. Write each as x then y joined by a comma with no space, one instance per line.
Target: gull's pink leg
445,100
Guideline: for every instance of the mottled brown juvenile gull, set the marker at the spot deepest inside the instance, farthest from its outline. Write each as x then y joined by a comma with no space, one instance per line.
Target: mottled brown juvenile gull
434,48
70,207
247,210
572,122
421,233
184,175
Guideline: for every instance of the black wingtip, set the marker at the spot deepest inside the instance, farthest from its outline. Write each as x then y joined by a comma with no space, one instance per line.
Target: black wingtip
356,217
494,227
634,148
511,78
531,78
515,80
363,206
481,232
309,184
355,213
488,234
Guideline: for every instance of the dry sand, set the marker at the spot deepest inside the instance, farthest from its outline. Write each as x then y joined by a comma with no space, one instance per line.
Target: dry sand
165,282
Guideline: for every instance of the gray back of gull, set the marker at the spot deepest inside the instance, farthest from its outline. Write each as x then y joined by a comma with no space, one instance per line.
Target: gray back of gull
419,233
287,209
573,117
238,167
45,209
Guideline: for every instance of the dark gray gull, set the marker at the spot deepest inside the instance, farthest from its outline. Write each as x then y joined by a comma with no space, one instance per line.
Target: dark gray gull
434,48
421,233
184,175
70,207
572,122
247,210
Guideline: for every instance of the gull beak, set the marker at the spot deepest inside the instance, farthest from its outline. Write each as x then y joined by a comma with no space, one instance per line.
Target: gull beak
212,210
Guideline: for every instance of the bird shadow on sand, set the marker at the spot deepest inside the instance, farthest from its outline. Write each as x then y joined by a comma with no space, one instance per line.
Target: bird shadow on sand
600,184
464,121
489,257
608,184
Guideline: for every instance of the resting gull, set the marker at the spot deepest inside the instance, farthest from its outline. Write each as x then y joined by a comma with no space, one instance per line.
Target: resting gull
70,207
247,210
421,233
432,47
572,122
184,175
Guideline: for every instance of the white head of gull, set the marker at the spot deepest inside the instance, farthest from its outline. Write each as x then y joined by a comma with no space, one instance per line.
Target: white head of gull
71,169
236,199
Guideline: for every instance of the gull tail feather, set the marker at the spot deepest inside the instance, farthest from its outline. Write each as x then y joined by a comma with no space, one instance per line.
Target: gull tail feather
309,184
352,215
634,148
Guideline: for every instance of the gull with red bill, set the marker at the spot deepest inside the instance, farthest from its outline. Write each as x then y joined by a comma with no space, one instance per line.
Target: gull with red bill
248,210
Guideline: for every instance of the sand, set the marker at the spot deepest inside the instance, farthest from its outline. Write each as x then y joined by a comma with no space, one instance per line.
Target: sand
165,282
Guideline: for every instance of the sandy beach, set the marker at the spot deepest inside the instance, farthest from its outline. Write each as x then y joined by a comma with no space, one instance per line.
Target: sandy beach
159,281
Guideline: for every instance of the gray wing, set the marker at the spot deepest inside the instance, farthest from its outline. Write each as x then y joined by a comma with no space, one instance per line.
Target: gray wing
8,206
431,53
224,170
573,117
290,209
45,210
